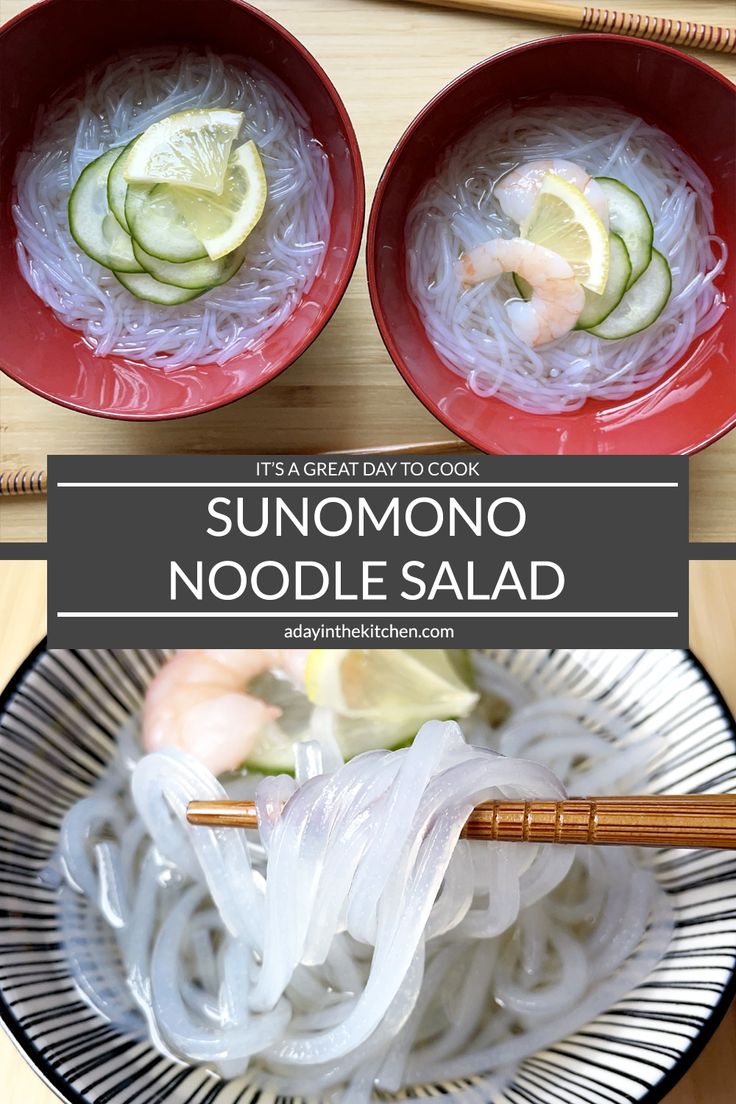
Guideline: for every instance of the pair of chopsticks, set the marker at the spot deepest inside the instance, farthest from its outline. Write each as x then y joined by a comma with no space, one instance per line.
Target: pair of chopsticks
676,32
707,820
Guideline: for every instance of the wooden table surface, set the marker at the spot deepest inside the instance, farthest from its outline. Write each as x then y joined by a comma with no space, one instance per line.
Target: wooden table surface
713,637
344,393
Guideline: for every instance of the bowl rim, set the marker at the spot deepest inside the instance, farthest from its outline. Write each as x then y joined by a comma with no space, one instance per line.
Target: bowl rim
337,291
469,435
48,1073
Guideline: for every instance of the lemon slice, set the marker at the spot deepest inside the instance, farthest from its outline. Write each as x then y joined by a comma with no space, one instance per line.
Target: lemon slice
190,149
222,223
564,221
379,698
382,697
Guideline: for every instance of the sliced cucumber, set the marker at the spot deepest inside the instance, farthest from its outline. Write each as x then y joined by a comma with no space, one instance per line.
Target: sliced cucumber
158,225
275,755
523,286
94,228
641,305
629,218
190,274
117,186
144,286
597,307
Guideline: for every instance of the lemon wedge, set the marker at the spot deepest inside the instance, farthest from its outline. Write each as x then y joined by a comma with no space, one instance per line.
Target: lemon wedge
223,222
382,697
379,699
564,221
190,149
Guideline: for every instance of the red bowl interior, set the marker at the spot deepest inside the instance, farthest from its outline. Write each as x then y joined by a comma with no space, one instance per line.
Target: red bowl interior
53,44
696,402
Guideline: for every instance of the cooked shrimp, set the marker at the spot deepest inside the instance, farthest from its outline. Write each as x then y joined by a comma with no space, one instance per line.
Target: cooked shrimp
198,702
517,190
557,298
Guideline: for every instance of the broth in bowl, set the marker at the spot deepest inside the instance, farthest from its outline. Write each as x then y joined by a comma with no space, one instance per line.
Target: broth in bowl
550,251
167,265
353,943
565,252
183,203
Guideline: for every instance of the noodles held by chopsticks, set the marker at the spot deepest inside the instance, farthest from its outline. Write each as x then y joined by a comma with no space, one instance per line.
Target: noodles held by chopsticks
356,942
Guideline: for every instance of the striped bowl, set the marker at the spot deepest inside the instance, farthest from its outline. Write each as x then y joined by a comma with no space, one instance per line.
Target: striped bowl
58,722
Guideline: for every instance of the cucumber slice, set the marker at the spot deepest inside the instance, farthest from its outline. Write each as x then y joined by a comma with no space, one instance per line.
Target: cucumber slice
144,286
523,286
94,228
158,225
117,186
274,753
597,307
641,305
202,274
629,218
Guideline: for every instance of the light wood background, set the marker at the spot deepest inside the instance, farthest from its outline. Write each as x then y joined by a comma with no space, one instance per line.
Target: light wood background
387,60
712,636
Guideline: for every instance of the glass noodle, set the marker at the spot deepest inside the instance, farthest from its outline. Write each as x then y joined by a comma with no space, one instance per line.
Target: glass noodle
285,252
354,943
457,211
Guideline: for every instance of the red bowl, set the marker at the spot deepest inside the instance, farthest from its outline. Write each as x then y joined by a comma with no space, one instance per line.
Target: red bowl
49,46
696,401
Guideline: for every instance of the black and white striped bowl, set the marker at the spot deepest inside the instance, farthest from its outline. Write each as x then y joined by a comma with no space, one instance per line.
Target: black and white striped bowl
58,723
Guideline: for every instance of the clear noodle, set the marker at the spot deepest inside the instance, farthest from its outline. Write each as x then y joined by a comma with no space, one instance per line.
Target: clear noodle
284,254
354,943
457,211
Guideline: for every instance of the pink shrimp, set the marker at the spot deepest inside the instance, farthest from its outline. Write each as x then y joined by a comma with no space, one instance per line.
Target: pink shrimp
557,298
517,190
198,702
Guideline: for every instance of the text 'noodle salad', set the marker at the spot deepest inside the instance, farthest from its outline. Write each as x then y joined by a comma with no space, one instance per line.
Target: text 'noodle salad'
175,208
562,253
355,943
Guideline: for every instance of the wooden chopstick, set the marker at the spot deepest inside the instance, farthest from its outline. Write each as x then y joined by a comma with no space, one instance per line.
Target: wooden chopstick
24,482
702,820
417,448
676,32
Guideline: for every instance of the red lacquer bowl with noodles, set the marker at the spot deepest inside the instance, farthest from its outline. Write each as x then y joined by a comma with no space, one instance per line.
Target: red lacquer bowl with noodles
129,303
644,136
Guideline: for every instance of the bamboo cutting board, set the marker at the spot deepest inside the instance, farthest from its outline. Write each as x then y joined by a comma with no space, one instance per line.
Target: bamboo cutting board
387,60
712,636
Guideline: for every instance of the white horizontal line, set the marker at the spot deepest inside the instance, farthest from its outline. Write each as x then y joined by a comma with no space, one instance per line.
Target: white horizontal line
318,485
298,615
